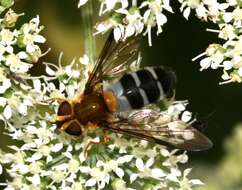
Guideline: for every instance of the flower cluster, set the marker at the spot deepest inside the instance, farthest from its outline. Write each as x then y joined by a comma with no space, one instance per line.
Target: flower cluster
227,55
18,47
54,160
45,158
134,18
227,173
18,52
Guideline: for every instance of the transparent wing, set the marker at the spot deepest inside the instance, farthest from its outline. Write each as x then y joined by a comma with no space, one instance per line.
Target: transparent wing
141,116
114,60
162,131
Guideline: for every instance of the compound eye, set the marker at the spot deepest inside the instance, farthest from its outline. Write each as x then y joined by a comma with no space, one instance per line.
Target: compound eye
64,109
74,128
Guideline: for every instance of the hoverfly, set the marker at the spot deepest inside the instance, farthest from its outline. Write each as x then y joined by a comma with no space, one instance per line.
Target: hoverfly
101,108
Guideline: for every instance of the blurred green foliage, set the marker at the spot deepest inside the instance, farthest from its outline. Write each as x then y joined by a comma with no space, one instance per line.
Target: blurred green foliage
227,174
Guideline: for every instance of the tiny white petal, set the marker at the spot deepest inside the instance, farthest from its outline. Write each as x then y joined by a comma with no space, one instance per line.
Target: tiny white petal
227,65
240,71
205,63
7,112
149,162
157,173
84,60
187,12
133,177
35,156
61,167
67,154
3,101
186,116
126,158
117,34
22,55
23,169
183,158
187,171
196,182
9,49
49,158
39,39
36,180
225,76
73,166
119,172
62,87
172,177
140,164
85,169
90,182
100,163
6,84
165,152
69,148
30,48
50,71
161,19
228,17
146,15
28,146
22,109
82,157
57,147
81,2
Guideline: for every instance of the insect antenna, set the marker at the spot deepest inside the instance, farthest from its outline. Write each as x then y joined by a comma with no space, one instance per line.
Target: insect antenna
201,123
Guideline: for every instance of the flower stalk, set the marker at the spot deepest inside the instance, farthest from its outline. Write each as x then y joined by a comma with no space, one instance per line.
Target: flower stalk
87,22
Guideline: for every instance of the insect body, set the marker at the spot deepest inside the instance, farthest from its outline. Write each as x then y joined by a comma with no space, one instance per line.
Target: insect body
137,89
132,91
98,107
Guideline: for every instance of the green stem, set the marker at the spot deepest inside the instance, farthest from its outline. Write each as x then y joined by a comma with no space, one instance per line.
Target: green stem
87,22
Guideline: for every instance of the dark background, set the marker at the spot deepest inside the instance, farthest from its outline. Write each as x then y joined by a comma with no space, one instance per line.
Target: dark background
181,41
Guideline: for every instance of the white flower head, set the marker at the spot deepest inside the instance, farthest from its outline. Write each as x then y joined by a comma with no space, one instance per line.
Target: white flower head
104,165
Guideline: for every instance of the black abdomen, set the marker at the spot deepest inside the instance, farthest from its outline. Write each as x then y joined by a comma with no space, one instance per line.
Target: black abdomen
146,86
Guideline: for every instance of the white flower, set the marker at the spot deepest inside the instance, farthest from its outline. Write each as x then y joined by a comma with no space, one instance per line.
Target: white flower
48,158
4,85
186,184
108,5
15,63
186,116
35,180
31,35
126,19
154,16
84,60
118,184
8,37
105,26
64,157
133,22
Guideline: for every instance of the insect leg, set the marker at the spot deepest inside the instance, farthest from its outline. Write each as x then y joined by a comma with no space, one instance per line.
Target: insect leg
66,125
63,117
106,138
89,144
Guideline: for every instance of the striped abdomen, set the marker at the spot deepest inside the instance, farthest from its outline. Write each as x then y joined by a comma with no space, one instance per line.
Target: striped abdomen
146,86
